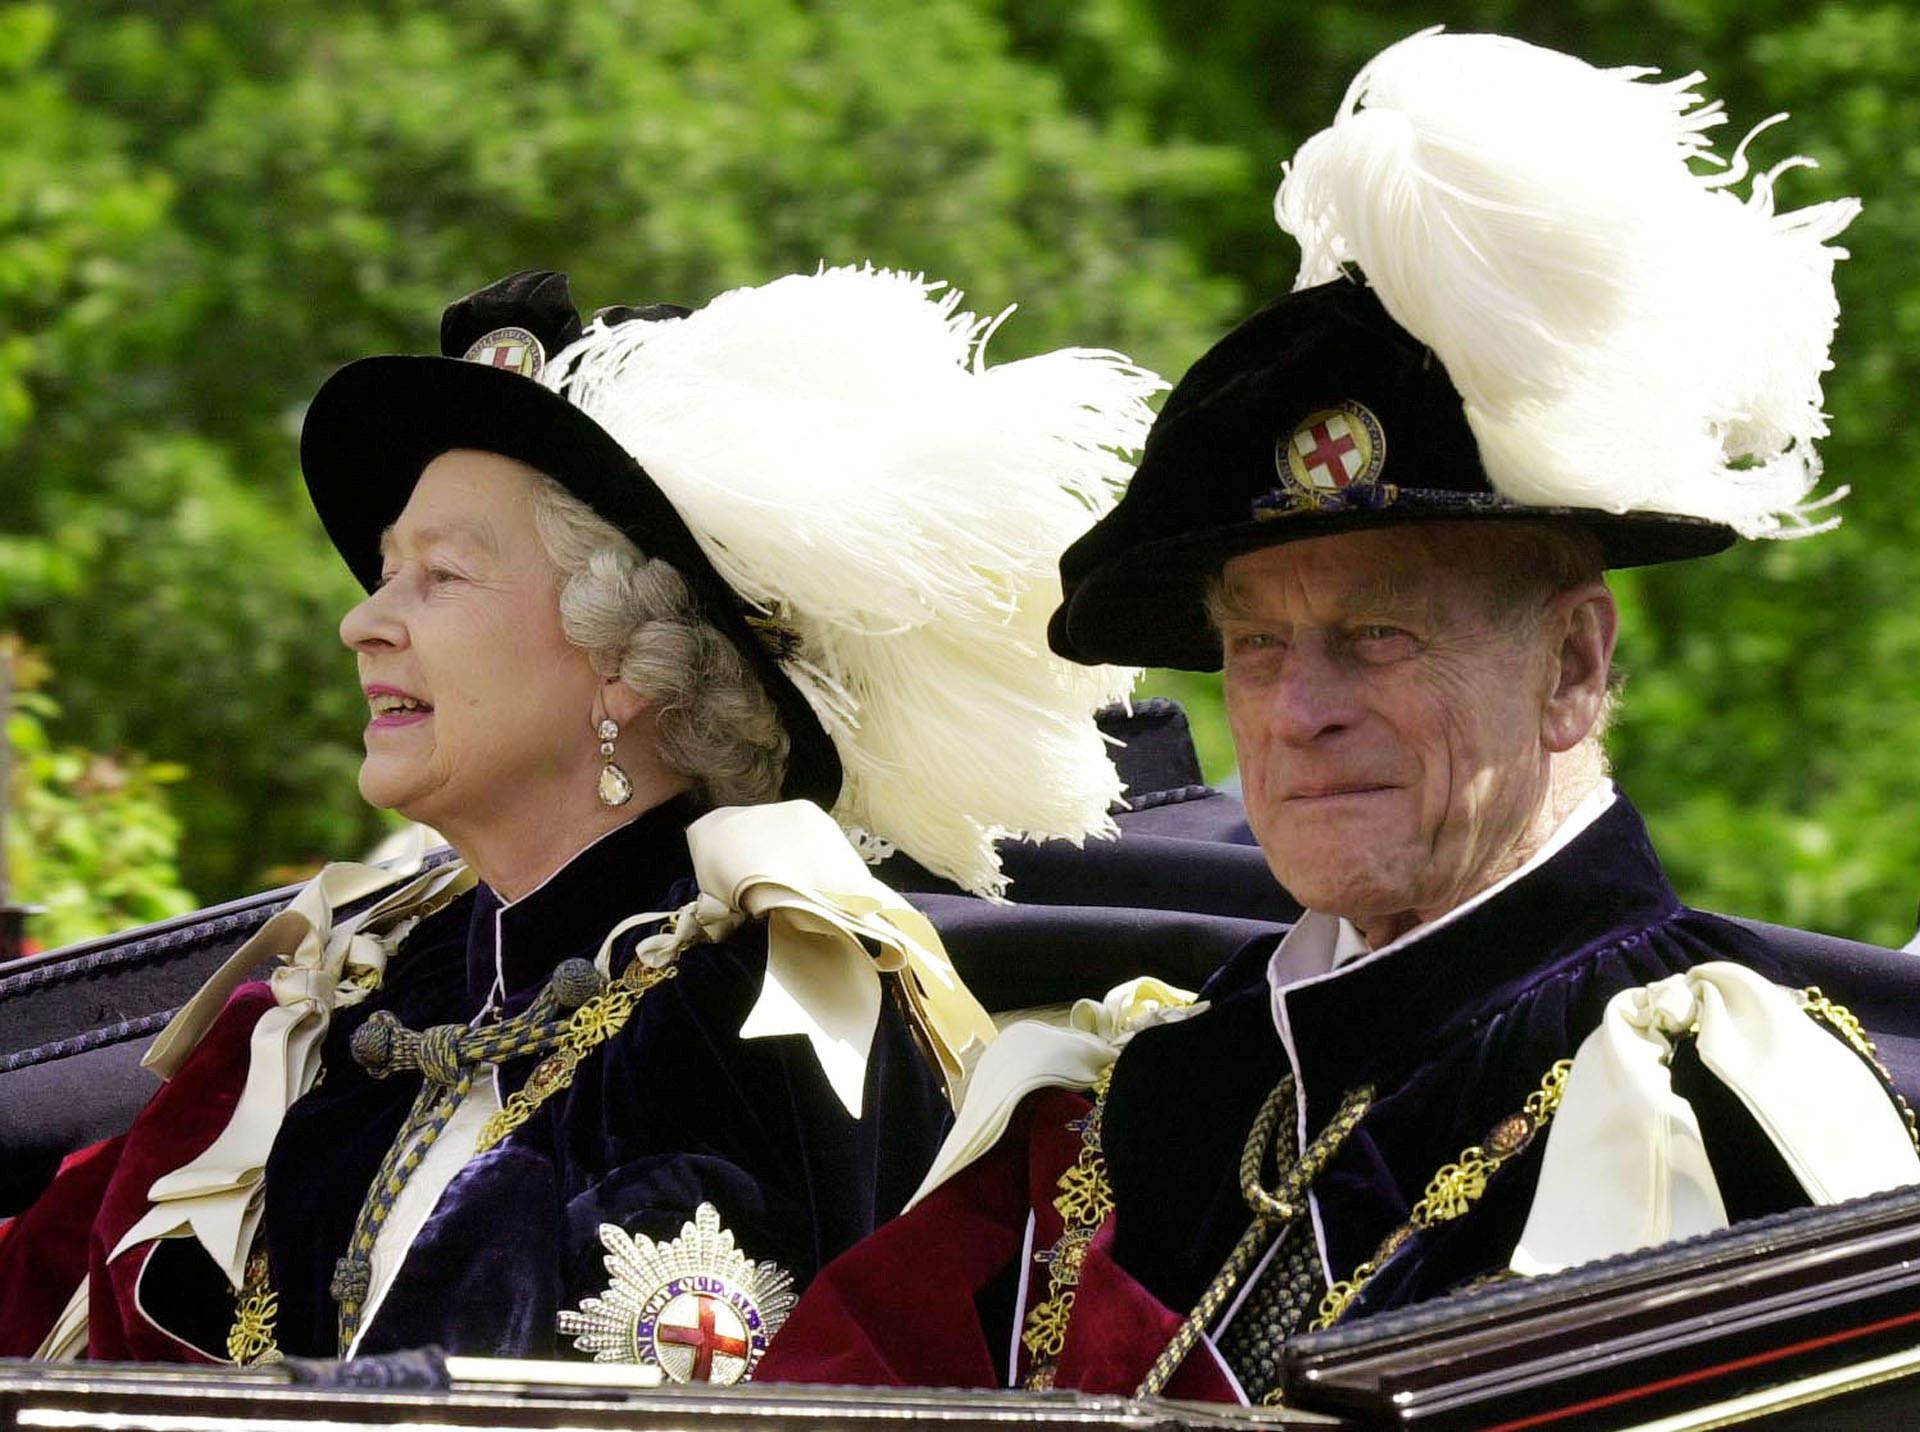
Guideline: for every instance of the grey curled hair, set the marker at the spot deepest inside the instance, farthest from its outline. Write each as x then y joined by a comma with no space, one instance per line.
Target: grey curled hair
637,619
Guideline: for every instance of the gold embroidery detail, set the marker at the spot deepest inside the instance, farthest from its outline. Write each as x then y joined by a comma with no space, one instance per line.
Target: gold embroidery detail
1084,1195
590,1026
1046,1334
1084,1201
1847,1025
251,1339
1458,1186
1454,1189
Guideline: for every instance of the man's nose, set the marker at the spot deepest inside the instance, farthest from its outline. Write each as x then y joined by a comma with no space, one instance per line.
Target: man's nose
1314,696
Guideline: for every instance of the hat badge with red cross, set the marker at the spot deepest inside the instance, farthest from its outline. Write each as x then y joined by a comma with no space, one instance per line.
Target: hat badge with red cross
1330,453
514,349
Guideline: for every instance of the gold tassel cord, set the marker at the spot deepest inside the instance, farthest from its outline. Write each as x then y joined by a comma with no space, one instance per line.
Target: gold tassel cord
1272,1211
451,1057
592,1025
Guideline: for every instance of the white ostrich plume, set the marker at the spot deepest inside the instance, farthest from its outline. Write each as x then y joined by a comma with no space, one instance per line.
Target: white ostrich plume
1628,333
856,471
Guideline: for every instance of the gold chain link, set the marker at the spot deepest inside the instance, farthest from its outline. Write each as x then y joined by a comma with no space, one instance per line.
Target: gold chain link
251,1340
1084,1200
590,1026
1454,1188
1847,1025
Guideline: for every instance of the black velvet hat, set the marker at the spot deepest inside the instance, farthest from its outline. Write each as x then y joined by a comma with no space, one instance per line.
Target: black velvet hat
376,423
1316,416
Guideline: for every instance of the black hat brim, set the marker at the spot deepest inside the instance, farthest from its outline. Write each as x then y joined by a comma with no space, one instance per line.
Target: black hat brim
1146,606
376,424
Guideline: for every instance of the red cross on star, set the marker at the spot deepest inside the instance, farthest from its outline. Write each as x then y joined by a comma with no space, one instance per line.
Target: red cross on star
705,1339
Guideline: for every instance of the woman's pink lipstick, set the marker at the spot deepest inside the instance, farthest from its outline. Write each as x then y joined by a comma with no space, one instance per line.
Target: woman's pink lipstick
396,716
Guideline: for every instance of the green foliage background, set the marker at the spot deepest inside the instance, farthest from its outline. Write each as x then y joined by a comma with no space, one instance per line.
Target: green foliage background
204,207
92,838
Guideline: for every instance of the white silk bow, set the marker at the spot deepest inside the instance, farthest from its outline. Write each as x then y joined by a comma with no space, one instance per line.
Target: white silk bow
323,965
1625,1166
1036,1053
832,930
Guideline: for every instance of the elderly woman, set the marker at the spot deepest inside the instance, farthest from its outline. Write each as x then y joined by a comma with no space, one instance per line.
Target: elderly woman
623,1076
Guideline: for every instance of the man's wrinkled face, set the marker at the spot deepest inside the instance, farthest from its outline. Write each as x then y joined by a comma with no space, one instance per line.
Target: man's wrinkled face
1387,712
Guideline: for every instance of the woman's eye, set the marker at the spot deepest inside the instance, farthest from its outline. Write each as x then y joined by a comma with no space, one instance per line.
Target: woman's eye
437,575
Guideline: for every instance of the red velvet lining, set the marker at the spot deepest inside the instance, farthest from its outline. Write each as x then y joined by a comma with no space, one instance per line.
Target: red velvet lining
899,1308
179,1123
43,1252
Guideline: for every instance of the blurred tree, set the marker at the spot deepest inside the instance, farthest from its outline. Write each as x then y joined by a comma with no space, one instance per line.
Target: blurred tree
89,836
206,207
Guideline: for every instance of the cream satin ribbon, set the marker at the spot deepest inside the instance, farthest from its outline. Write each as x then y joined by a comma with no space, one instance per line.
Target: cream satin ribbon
323,965
66,1340
1625,1167
832,929
1067,1053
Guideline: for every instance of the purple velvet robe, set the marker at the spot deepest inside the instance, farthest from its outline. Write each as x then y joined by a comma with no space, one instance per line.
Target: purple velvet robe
1452,1032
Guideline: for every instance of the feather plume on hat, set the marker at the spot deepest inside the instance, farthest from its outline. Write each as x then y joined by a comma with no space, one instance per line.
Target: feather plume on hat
1627,332
895,508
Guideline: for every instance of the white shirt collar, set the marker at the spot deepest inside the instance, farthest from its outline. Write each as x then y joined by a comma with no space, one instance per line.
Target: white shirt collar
1320,943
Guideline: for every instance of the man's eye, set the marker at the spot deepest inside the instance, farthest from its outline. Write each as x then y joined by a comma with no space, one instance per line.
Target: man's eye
1375,641
438,575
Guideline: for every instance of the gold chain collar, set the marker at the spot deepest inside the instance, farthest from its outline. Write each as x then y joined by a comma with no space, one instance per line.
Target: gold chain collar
252,1340
1273,1209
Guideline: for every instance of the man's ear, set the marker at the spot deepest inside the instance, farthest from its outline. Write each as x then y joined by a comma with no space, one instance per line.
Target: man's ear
1582,624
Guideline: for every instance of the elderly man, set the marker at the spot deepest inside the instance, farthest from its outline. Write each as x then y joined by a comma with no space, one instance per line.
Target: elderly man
1497,1043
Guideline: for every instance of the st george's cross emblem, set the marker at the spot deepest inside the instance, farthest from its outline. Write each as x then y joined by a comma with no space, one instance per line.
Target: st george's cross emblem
695,1307
1331,452
514,349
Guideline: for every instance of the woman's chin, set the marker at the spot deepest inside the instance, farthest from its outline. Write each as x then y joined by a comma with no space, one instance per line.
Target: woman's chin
388,788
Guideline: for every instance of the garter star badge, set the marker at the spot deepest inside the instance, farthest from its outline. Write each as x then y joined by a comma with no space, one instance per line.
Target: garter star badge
695,1307
1330,457
514,349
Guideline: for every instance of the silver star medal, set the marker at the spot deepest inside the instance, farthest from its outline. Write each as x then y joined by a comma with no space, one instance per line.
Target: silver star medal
695,1307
